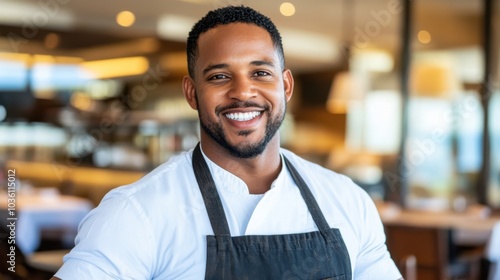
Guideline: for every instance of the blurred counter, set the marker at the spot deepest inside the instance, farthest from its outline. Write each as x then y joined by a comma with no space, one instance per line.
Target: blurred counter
86,182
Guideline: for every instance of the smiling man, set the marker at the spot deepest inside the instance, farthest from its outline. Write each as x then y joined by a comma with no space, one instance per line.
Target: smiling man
237,206
240,88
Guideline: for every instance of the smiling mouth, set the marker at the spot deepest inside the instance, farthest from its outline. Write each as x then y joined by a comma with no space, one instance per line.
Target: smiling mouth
243,117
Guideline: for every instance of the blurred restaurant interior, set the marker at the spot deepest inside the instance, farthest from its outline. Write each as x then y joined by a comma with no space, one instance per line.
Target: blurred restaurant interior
401,96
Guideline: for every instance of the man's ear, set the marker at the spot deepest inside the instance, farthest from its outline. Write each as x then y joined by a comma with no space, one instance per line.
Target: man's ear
189,91
288,84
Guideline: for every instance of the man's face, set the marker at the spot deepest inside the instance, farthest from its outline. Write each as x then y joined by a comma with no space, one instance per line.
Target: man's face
239,89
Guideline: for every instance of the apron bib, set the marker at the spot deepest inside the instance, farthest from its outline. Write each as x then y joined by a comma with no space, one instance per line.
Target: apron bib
312,255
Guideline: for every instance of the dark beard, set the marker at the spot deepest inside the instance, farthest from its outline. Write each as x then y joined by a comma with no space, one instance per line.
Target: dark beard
215,131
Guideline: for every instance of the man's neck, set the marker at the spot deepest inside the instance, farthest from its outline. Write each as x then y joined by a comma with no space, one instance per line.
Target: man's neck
258,172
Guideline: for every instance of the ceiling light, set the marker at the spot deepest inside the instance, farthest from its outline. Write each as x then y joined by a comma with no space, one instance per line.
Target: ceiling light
308,45
174,27
36,15
424,37
125,18
287,9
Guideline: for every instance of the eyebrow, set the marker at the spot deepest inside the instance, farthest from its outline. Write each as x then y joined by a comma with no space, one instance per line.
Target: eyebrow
215,66
225,65
262,62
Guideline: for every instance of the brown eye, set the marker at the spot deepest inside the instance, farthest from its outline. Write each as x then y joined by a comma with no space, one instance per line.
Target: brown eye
218,77
261,73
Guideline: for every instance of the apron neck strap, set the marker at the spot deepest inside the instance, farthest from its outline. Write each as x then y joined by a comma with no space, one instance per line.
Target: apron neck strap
308,197
211,198
214,206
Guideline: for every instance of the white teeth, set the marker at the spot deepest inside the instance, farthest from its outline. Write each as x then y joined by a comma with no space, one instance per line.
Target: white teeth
242,117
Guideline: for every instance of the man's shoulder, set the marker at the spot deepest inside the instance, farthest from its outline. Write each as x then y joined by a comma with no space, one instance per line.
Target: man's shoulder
322,180
180,162
170,173
298,160
306,167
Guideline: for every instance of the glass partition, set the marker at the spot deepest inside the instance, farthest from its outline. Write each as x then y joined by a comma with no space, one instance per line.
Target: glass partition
493,192
444,150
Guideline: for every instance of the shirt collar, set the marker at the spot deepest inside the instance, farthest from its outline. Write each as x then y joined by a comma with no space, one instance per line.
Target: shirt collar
229,182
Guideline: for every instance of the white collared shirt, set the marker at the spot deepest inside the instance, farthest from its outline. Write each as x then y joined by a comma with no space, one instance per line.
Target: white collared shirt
156,227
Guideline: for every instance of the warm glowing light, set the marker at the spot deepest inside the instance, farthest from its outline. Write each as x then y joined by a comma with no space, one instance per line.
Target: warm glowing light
81,101
175,62
436,80
125,18
287,9
424,37
43,58
117,67
15,56
39,58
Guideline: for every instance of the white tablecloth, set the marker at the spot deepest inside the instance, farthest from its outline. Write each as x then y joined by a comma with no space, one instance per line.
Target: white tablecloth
36,212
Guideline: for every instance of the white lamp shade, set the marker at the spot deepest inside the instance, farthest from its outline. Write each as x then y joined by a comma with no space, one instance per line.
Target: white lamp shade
346,87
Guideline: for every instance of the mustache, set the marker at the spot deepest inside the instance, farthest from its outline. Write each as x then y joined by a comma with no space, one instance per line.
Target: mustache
241,104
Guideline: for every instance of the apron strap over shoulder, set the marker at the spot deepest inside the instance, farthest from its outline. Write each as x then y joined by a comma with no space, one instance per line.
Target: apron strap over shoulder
310,201
211,198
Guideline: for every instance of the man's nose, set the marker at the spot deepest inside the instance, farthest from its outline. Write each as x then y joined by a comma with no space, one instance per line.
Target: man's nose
242,89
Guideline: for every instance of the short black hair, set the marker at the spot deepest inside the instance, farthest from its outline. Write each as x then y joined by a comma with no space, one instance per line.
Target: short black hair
227,15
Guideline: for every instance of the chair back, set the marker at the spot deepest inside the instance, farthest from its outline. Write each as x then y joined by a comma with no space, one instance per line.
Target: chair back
430,247
408,267
492,253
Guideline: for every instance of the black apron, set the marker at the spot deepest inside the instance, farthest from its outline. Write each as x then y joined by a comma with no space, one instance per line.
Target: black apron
313,255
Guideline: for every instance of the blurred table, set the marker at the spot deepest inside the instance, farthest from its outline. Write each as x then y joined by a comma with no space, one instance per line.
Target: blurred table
45,210
467,229
49,261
